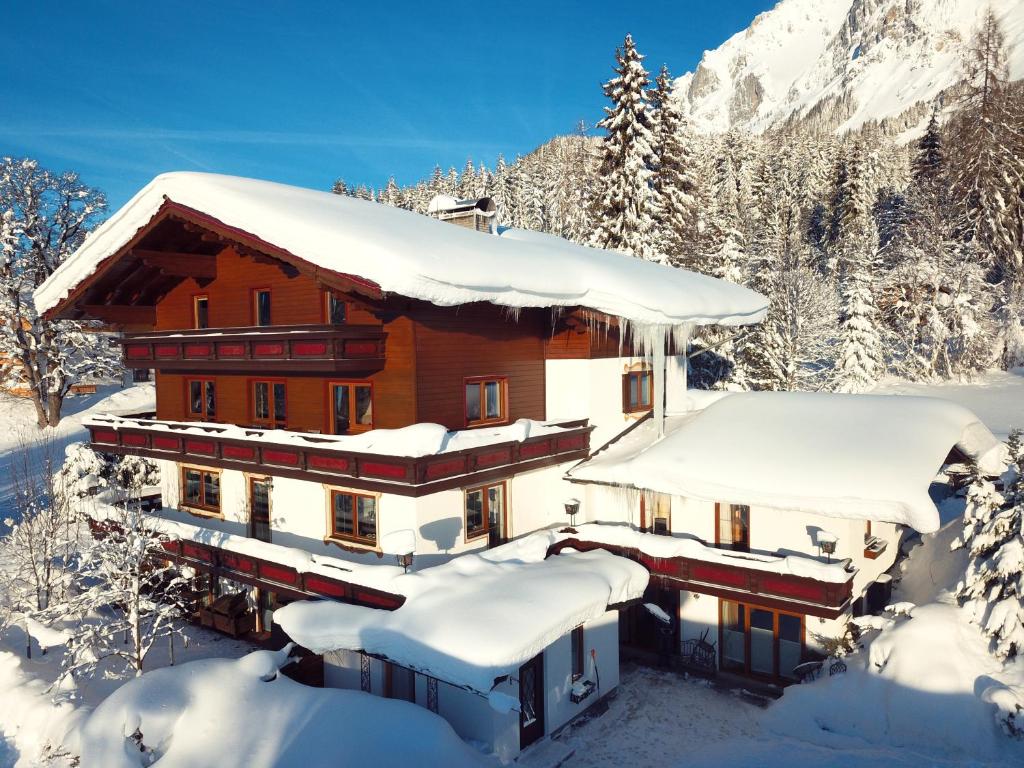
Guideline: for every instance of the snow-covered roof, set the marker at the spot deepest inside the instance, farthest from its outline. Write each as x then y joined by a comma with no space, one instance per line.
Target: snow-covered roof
478,617
850,456
418,256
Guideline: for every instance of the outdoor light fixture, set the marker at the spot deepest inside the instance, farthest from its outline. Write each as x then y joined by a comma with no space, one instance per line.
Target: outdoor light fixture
405,560
827,543
572,508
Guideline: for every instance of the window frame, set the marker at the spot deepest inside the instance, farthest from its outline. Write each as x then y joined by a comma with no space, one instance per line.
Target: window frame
353,539
485,511
577,650
196,298
354,428
330,296
271,421
204,414
627,405
251,481
481,381
202,508
748,609
255,307
718,531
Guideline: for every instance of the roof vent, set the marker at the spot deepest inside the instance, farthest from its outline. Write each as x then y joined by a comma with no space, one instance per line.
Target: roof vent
479,214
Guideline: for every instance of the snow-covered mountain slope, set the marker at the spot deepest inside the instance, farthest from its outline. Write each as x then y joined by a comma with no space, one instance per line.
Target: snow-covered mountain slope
838,63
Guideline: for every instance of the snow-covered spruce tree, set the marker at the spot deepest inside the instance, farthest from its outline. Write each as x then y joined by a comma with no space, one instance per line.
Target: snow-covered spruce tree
623,204
673,204
860,360
993,584
44,217
128,597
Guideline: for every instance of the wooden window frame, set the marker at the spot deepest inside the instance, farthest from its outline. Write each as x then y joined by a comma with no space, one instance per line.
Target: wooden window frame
328,295
718,534
486,532
627,406
255,306
776,612
249,481
867,532
204,414
349,539
196,298
202,508
579,656
502,401
271,421
354,428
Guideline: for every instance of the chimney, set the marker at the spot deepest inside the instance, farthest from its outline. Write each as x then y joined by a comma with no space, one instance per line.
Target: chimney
479,214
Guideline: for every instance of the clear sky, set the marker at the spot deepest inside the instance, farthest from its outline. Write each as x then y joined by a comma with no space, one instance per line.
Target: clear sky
305,92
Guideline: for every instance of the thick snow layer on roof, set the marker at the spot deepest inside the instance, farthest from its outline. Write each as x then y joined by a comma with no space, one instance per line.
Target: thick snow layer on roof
419,257
240,713
478,617
851,456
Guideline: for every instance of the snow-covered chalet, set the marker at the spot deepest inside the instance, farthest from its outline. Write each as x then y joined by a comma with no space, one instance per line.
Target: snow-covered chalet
460,464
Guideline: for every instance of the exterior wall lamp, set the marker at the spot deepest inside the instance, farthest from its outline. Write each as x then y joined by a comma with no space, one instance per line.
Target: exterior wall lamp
572,508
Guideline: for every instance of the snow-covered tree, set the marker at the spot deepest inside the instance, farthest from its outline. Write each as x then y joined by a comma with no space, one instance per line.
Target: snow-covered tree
44,217
623,204
993,585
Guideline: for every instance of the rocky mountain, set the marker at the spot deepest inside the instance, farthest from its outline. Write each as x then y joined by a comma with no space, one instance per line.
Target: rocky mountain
835,64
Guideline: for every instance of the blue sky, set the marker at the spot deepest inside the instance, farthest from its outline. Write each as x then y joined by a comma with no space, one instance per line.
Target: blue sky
305,92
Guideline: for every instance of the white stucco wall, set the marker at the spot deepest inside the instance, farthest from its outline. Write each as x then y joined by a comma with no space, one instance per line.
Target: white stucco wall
698,613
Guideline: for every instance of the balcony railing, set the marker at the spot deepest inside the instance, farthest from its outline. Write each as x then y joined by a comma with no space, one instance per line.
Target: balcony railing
321,458
786,591
279,348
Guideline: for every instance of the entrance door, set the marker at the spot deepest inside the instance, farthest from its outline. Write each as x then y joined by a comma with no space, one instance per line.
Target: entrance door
758,641
531,701
259,508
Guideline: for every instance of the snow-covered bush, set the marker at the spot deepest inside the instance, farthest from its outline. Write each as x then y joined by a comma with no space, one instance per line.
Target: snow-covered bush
993,585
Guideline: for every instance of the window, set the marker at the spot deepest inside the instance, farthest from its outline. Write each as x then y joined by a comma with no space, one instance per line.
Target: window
261,306
259,508
485,401
760,641
269,403
733,527
200,488
201,311
351,407
578,655
202,399
354,517
661,518
867,532
485,513
335,309
637,391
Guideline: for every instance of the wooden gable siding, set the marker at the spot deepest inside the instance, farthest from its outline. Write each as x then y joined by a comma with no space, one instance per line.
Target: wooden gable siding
456,343
294,300
581,343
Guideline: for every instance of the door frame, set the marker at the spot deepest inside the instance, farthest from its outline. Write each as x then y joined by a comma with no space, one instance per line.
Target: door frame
528,734
775,677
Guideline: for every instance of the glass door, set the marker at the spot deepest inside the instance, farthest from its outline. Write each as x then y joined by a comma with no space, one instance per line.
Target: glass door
734,644
790,644
762,642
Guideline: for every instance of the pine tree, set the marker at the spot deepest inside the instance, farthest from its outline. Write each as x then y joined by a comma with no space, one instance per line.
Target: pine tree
467,185
993,584
623,206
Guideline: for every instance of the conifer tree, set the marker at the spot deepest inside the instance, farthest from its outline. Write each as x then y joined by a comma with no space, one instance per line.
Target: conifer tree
467,184
623,206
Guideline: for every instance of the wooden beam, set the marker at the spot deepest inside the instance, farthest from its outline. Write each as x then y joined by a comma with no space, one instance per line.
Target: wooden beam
197,265
121,314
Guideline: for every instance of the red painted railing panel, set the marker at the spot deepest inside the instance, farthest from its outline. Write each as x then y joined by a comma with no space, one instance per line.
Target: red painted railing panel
268,349
137,351
205,447
284,458
309,348
231,350
279,573
166,443
134,439
108,436
198,350
447,468
327,463
238,452
324,586
383,469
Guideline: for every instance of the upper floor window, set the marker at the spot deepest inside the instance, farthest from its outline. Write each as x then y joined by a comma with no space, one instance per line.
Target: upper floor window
201,311
351,407
261,306
637,391
269,402
660,506
485,513
733,527
486,400
335,309
200,488
354,517
202,399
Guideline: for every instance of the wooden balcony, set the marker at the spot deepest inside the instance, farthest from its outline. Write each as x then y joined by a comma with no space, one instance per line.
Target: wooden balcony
325,349
782,591
322,459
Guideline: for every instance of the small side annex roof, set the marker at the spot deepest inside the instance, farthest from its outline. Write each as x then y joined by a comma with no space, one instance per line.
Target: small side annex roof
868,457
396,251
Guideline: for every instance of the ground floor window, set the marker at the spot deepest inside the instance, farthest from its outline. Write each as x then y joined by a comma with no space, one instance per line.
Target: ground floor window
578,654
354,517
259,508
485,513
200,488
759,641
